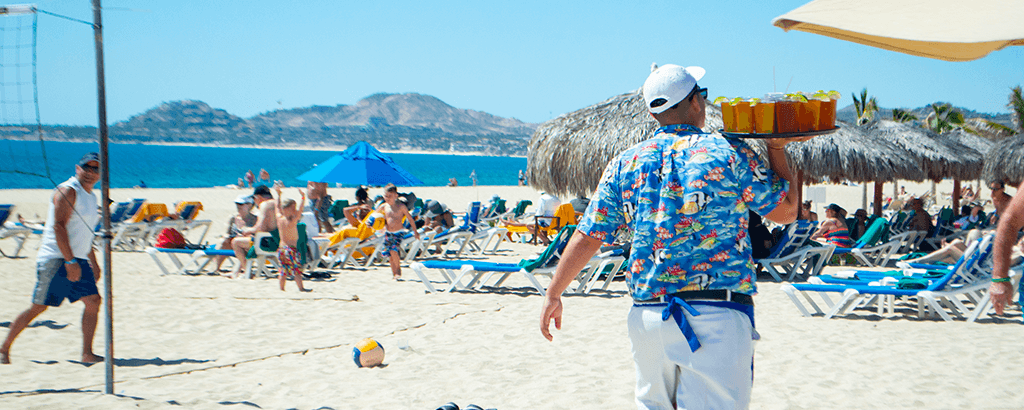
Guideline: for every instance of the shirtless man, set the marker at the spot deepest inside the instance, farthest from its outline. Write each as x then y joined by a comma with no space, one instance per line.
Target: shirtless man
394,212
266,221
288,216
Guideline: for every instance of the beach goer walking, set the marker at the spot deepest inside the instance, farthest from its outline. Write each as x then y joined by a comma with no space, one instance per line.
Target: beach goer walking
690,269
472,177
266,221
243,218
394,212
250,179
522,178
264,176
1010,223
66,266
288,215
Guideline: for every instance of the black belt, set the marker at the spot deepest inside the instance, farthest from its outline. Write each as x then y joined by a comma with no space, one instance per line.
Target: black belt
713,294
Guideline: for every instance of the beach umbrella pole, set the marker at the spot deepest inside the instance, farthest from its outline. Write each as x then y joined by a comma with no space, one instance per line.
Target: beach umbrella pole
956,197
878,199
108,295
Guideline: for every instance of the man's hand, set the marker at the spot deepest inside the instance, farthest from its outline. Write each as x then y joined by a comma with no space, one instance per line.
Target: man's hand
777,143
552,309
1000,292
74,272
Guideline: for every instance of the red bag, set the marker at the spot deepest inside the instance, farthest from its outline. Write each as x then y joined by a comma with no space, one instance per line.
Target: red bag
170,238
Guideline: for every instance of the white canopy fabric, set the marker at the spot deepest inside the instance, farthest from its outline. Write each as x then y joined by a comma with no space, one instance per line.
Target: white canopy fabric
950,30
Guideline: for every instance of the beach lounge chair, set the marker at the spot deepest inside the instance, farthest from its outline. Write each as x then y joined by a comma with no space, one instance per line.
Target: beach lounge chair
452,242
865,250
456,273
792,255
349,244
961,279
19,234
264,251
195,265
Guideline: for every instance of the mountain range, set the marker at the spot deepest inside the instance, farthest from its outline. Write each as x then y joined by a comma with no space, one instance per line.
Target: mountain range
388,121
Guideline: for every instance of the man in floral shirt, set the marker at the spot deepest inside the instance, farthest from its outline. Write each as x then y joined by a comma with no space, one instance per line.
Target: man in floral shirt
685,196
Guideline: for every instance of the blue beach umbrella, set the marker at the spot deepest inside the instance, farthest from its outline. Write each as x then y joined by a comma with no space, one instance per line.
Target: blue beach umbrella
361,164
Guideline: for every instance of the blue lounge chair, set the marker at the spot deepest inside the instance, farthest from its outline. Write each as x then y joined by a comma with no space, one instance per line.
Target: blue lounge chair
195,265
964,278
792,255
479,273
17,233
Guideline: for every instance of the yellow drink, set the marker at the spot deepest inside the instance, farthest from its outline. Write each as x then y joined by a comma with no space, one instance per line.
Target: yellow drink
744,117
728,117
764,118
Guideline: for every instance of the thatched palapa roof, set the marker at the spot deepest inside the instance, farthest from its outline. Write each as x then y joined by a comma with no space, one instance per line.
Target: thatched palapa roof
568,154
940,156
1005,161
851,154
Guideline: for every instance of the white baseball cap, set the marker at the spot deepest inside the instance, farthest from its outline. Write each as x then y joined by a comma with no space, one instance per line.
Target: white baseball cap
244,199
668,85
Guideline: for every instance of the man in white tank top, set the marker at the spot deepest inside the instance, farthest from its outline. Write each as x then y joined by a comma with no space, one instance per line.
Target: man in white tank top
66,265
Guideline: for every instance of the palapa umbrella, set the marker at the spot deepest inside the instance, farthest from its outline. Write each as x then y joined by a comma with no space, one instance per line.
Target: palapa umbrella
851,154
1005,161
361,164
949,30
940,156
568,154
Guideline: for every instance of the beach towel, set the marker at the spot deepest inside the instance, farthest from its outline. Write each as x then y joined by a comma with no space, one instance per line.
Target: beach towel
170,238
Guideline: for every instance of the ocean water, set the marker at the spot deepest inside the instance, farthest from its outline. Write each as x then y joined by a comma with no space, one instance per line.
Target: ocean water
195,167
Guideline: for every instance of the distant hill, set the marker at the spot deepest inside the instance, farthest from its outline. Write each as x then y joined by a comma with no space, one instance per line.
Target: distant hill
407,110
848,114
388,121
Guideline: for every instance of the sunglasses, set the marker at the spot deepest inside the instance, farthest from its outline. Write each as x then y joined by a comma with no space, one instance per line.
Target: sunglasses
696,90
91,168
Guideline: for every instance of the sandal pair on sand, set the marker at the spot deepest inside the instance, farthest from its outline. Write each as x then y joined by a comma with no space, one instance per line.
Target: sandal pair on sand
453,406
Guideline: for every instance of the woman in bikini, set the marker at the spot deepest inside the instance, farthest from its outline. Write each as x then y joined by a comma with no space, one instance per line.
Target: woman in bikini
833,230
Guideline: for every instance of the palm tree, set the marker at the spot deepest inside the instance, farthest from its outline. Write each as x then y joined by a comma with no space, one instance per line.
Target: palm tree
865,106
944,118
901,115
1016,107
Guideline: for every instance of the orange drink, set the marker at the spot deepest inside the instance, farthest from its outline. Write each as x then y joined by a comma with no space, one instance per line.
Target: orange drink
808,115
744,117
764,118
785,116
728,117
827,116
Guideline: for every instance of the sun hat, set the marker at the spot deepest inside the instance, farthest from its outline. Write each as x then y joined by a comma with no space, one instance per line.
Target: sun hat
87,158
668,85
244,199
835,208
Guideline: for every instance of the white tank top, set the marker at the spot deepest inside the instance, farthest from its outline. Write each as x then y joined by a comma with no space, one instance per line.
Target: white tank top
80,225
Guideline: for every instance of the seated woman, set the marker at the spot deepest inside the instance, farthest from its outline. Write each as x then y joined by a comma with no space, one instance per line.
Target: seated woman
358,211
833,230
438,216
241,220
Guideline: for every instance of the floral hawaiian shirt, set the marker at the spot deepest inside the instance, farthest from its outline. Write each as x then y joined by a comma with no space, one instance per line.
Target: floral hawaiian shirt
684,194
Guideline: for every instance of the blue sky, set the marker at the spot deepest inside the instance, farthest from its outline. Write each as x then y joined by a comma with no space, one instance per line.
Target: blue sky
531,60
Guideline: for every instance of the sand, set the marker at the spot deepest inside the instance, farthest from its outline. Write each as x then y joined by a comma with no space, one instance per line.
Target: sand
212,342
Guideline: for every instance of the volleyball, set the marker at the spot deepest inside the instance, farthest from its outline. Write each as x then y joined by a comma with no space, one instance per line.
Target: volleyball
368,353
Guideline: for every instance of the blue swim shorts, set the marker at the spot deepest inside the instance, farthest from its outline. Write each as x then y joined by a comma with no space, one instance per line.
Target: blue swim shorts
53,286
392,242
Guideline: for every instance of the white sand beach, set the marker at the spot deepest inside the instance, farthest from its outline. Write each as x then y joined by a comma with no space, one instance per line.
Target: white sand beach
214,342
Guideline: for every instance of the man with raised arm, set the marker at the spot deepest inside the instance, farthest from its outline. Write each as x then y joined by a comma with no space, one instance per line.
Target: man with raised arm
685,195
266,221
66,265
